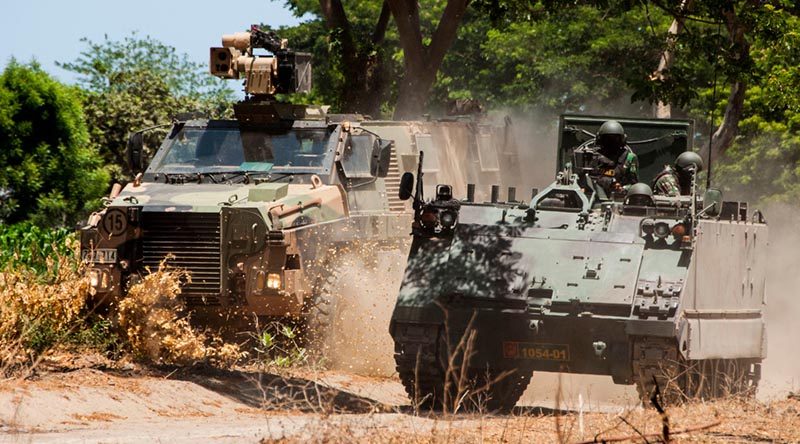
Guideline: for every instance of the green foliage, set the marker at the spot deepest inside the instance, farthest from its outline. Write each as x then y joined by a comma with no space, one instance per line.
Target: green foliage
96,333
26,246
764,162
138,83
566,56
49,174
278,345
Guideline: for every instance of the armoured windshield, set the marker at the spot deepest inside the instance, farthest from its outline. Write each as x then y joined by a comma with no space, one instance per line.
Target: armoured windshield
192,149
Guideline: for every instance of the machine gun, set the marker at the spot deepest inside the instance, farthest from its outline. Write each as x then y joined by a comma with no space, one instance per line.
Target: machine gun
284,71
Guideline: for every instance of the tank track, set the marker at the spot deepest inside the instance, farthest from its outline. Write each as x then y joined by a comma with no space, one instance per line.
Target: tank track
480,389
657,361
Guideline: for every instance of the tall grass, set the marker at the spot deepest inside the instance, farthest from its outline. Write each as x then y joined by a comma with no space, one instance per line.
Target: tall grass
43,305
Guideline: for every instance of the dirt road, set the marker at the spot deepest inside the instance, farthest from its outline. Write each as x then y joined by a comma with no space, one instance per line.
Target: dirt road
191,405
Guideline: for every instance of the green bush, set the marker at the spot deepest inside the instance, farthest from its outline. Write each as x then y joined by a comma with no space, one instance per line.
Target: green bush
29,247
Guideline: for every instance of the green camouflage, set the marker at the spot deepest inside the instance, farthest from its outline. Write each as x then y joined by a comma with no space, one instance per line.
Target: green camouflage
576,282
666,184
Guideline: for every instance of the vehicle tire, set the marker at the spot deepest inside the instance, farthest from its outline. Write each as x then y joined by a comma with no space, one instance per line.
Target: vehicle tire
483,390
686,380
320,314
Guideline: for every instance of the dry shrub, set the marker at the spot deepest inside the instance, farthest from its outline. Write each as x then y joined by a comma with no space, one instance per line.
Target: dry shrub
155,325
36,314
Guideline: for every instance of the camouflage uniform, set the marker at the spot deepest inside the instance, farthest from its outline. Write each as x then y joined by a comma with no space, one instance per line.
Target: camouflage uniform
622,168
666,183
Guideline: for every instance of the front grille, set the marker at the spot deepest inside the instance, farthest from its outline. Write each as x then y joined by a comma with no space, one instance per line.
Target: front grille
193,241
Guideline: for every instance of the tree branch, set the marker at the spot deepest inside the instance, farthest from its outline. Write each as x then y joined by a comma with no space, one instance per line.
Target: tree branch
336,18
446,32
729,127
664,110
383,23
406,16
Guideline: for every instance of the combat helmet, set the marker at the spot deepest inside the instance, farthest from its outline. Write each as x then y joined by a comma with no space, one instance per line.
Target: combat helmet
688,160
639,194
611,135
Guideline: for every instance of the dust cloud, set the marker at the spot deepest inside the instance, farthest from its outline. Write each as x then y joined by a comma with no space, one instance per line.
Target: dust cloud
367,287
781,369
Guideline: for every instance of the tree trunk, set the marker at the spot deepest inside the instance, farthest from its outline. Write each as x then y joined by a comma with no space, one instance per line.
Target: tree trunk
422,62
664,110
726,133
363,69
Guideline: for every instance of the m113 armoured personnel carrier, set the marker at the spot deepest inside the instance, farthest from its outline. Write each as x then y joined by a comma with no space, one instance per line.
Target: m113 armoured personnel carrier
644,288
255,207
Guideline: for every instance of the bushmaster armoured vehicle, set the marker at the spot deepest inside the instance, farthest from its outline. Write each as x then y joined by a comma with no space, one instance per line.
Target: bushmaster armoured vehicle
650,290
255,208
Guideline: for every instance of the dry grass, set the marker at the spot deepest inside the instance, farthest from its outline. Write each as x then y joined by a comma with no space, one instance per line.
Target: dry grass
39,315
730,420
155,325
36,314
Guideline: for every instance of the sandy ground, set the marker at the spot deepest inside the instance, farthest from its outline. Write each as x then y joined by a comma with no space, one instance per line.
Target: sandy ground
135,404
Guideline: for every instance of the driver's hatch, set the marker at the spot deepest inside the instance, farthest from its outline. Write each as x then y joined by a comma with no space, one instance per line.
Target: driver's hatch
657,142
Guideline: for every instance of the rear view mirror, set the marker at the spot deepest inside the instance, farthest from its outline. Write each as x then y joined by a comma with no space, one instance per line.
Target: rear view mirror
135,152
712,202
406,186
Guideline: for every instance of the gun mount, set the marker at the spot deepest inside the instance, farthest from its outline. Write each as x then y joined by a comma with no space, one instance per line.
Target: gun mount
284,71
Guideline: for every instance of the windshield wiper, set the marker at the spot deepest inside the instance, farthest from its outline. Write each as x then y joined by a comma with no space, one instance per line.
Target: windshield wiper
224,176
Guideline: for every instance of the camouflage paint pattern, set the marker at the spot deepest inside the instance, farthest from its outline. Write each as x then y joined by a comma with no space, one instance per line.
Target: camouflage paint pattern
234,237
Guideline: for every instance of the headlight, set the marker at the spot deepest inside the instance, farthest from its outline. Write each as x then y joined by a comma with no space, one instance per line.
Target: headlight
448,219
94,277
661,230
648,225
437,219
429,218
274,281
99,279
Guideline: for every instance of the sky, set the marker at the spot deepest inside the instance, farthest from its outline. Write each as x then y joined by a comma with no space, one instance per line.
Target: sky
51,30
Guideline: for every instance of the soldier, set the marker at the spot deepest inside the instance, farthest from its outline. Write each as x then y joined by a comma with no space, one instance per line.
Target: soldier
616,163
677,180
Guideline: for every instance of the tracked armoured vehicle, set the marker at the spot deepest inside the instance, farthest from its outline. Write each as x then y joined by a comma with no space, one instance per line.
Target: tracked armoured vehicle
255,208
648,289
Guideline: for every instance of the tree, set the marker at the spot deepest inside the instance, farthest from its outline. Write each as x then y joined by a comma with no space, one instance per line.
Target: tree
715,47
421,60
357,65
352,46
137,83
49,172
568,56
763,163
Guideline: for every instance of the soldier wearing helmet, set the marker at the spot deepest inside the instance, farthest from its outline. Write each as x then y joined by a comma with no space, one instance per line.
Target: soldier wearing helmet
677,180
615,162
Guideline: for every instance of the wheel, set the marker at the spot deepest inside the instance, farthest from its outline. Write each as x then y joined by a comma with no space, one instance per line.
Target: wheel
434,381
479,390
320,314
681,380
